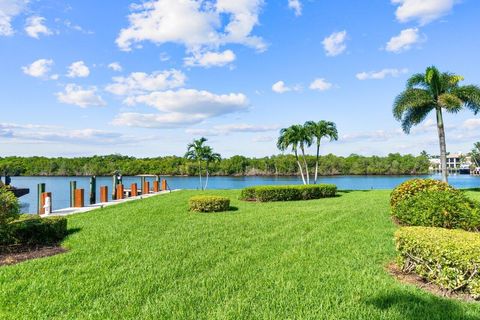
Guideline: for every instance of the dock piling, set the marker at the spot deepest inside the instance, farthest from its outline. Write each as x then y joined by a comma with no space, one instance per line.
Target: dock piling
156,186
93,189
103,194
120,193
73,186
43,201
134,190
40,190
79,198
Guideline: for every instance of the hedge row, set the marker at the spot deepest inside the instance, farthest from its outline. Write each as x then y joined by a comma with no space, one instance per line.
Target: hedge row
288,193
209,204
32,230
448,258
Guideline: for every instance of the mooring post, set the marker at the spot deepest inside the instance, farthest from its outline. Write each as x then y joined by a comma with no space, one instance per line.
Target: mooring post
93,189
114,187
164,185
73,186
134,190
119,191
146,188
103,194
40,190
156,186
142,184
79,198
43,201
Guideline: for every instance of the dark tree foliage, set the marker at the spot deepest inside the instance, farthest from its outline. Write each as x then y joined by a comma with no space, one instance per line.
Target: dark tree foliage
393,164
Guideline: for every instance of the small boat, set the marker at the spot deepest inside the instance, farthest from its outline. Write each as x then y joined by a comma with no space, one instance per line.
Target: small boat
20,192
464,169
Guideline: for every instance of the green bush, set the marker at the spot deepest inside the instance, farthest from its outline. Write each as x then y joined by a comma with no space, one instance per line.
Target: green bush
288,193
209,204
9,211
442,208
38,231
411,187
448,258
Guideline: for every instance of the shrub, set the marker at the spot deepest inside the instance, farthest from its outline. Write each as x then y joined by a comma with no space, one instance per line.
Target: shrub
288,193
9,211
209,204
442,208
411,187
39,231
448,258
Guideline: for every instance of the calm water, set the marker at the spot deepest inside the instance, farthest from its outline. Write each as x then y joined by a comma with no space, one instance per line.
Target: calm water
59,186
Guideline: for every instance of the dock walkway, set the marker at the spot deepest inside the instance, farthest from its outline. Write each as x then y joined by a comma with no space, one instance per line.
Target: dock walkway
70,211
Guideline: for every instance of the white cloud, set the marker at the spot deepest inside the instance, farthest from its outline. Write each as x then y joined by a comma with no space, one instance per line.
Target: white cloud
423,11
79,96
233,128
53,134
210,59
35,26
280,87
115,66
471,124
263,139
334,44
404,41
78,69
320,84
195,24
9,9
39,68
377,75
296,6
181,108
141,82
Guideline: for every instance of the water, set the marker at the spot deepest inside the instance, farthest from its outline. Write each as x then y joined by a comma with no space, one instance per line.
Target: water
60,186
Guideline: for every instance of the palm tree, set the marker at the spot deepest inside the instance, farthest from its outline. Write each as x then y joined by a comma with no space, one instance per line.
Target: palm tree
195,151
295,137
318,131
209,156
438,91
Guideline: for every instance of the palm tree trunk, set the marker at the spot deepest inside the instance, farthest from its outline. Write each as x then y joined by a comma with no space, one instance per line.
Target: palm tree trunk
300,166
206,179
306,166
200,174
443,145
316,163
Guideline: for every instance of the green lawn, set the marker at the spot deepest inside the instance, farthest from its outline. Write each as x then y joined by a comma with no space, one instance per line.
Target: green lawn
152,259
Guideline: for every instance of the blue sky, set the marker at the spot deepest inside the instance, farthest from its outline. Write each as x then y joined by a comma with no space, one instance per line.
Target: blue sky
145,78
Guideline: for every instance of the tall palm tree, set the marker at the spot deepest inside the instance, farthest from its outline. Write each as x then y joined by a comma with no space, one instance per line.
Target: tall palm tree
195,152
210,157
295,137
318,131
434,91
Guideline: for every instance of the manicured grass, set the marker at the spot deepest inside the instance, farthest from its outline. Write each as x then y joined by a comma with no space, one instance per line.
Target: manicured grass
152,259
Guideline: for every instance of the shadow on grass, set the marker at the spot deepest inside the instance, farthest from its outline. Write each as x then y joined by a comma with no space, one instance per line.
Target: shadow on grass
414,307
73,231
232,208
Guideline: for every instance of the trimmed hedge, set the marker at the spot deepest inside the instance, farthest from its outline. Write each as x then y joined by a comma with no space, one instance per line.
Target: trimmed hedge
288,193
411,187
442,208
448,258
9,211
37,231
209,204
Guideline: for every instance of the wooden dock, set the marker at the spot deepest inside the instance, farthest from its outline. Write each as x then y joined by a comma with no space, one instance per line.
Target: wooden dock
70,211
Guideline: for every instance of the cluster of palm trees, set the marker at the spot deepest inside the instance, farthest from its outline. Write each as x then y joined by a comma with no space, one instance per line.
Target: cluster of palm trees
300,137
201,153
435,91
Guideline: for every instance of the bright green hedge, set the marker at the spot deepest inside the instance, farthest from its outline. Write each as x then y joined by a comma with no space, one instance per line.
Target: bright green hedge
9,211
34,230
450,209
288,193
209,204
411,187
448,258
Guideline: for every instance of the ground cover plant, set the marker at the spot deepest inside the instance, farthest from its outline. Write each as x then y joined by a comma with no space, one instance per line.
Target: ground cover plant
153,259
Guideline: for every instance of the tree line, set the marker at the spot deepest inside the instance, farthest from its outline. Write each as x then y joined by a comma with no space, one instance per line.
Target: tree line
393,164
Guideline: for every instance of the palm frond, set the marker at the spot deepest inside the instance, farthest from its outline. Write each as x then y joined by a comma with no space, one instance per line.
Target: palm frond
410,99
450,102
414,116
417,80
470,96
